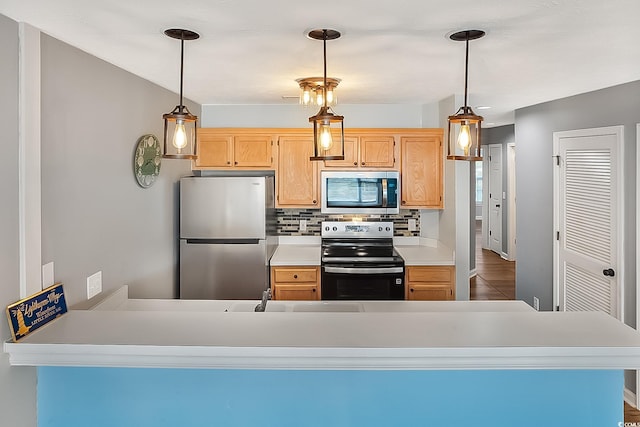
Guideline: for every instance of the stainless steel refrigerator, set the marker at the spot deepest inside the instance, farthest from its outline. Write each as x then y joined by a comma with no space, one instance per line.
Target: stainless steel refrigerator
227,235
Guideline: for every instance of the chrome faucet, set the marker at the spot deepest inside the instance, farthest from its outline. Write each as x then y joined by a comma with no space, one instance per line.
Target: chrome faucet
266,296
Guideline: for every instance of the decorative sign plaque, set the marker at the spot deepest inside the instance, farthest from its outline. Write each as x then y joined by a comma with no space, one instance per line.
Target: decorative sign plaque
29,314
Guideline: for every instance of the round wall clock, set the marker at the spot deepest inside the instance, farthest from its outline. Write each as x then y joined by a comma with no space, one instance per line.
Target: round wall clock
146,161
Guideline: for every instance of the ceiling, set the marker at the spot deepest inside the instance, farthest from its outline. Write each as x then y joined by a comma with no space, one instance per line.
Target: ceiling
390,52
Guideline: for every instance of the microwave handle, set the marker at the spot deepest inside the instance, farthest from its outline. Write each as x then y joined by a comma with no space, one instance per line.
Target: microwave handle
384,192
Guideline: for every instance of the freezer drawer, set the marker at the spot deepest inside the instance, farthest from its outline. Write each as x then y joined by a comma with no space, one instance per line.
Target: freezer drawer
224,207
223,271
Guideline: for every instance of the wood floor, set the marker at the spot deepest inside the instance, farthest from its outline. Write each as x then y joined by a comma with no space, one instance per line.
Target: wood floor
495,279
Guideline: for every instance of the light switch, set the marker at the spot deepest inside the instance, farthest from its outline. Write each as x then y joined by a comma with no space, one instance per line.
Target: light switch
94,284
47,275
303,225
412,225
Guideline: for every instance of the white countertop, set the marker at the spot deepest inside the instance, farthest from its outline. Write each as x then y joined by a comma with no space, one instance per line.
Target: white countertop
296,255
456,335
417,251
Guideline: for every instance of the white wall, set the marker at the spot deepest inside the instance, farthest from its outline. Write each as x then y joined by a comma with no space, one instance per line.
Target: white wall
95,217
296,116
17,385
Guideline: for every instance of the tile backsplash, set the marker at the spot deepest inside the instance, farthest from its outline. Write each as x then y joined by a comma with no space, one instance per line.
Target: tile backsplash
288,221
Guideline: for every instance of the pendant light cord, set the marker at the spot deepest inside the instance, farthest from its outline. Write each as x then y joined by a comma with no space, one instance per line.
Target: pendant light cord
466,71
182,67
324,87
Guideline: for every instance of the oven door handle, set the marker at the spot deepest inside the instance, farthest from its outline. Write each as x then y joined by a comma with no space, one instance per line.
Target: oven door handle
364,270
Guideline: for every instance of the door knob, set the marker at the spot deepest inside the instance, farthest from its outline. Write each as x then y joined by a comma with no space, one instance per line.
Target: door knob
609,272
497,206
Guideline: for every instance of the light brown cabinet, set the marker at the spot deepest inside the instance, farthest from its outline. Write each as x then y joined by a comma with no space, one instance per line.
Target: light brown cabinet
421,171
365,151
430,283
223,149
296,175
295,283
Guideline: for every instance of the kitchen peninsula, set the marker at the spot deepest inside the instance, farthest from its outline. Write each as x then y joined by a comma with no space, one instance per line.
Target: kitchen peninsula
339,363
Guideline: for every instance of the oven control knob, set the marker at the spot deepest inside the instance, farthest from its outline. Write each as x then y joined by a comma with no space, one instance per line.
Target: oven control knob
335,228
326,228
388,229
379,228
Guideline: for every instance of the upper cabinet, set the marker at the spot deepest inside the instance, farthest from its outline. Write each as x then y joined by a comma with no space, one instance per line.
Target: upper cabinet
224,149
296,175
421,180
416,152
365,151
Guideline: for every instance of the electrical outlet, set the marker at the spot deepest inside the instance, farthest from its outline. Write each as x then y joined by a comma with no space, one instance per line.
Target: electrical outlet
303,225
536,303
94,284
412,225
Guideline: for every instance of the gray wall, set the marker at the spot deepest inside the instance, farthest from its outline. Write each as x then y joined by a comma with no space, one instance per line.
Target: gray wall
94,214
502,135
618,105
17,385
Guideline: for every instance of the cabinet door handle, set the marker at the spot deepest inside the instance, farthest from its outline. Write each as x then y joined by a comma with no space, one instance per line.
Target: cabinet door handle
235,163
362,163
313,290
295,276
315,202
228,163
404,202
355,163
410,289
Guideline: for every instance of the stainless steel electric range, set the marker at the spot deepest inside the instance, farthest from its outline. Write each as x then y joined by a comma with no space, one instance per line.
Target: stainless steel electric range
359,262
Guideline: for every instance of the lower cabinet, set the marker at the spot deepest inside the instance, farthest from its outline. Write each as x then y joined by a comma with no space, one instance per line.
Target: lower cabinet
430,283
295,283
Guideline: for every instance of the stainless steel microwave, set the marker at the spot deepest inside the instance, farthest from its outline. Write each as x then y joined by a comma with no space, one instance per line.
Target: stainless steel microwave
355,192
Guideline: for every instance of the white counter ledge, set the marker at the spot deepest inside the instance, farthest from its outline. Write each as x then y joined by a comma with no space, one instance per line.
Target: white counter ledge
519,339
423,252
297,250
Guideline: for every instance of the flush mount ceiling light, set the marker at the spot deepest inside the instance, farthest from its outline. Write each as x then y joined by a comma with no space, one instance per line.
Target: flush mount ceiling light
180,125
312,90
324,146
465,126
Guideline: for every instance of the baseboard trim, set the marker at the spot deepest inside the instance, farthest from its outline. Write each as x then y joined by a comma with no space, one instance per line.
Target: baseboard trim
630,397
473,273
504,256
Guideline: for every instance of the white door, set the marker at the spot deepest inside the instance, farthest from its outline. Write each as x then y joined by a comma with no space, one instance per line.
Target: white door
495,198
587,218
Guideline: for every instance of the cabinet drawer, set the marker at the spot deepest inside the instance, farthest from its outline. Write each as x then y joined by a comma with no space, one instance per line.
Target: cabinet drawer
293,275
429,274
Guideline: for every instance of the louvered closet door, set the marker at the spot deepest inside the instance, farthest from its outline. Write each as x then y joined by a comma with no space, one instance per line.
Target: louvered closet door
588,220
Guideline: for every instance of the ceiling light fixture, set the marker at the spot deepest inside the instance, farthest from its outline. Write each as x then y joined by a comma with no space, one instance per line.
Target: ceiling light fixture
465,123
180,125
312,90
323,145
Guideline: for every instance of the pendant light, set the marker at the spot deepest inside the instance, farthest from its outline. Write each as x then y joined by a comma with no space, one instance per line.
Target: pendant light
180,125
465,126
324,145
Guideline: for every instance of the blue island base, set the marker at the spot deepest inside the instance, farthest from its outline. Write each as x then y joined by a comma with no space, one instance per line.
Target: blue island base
127,397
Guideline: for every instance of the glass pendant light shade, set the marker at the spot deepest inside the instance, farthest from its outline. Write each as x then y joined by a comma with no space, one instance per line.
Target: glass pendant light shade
328,135
465,127
328,128
180,136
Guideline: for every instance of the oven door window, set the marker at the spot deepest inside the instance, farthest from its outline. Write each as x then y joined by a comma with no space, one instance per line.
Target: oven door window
354,192
338,286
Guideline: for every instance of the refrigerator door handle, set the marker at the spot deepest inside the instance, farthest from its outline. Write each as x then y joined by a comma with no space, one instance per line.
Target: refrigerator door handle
223,241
